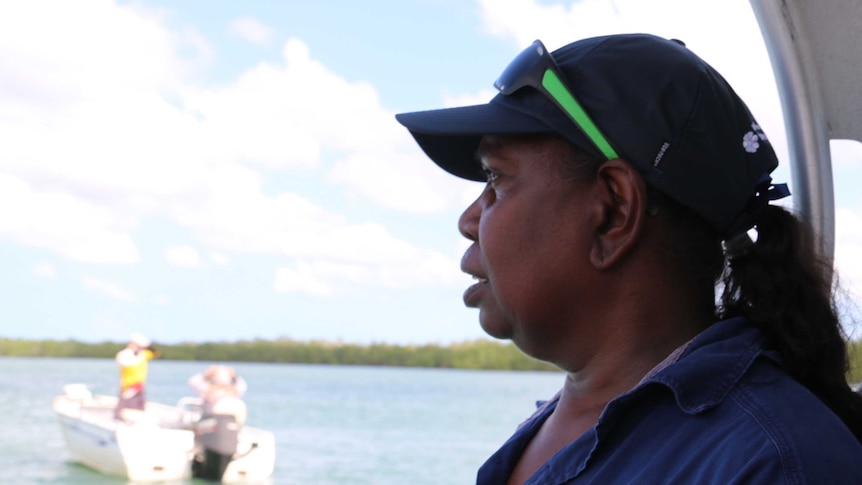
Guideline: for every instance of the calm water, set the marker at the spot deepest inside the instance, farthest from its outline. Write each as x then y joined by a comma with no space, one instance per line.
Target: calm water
332,424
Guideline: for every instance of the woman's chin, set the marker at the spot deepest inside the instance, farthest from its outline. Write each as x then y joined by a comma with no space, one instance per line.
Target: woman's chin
495,327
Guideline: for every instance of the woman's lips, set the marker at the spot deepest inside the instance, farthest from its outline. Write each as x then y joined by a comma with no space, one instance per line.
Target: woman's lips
470,264
472,293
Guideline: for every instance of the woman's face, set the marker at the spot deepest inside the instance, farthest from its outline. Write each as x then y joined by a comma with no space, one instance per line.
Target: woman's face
531,238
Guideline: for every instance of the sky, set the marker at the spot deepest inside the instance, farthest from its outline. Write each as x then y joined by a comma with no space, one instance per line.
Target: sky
223,170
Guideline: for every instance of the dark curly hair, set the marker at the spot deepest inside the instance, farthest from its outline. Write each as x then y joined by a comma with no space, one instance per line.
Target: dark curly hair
784,286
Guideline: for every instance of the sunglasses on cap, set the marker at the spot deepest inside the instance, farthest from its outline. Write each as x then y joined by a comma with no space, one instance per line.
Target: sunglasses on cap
536,68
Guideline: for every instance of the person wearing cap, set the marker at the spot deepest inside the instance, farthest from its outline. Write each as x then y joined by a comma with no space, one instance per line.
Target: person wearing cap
626,183
133,362
215,383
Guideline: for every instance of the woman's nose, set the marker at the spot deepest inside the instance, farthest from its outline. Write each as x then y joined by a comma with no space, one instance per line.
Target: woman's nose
468,223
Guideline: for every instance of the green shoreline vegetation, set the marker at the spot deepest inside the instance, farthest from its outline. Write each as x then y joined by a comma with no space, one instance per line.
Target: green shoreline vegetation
474,354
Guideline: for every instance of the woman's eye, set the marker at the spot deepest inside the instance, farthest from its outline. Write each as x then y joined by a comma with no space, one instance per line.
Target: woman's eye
490,175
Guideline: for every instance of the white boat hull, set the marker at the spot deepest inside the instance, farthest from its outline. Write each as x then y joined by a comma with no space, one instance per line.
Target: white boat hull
155,445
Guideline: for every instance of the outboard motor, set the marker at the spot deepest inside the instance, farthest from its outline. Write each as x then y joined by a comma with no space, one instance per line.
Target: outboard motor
217,436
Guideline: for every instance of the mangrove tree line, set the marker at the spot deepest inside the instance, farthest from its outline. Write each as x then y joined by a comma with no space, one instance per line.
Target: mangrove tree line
476,354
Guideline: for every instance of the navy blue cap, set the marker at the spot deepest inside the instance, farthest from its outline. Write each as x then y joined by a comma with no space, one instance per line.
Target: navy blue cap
662,108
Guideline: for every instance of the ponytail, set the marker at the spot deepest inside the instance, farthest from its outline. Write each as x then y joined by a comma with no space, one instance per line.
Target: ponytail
782,285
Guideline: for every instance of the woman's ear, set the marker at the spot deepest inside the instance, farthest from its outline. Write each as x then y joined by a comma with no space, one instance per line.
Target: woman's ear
623,197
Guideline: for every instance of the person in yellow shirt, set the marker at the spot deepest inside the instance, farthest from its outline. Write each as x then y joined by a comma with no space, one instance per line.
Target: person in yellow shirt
133,360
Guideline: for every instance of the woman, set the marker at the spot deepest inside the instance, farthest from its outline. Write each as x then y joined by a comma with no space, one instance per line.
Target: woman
623,177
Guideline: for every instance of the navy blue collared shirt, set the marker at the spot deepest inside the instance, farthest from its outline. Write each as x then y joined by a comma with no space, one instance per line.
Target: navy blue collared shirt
723,413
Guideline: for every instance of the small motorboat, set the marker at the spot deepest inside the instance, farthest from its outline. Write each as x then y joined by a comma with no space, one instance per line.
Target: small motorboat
164,442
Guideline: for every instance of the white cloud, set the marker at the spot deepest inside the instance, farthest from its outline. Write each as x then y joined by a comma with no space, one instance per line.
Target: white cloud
251,30
130,141
87,137
848,246
99,136
76,229
106,288
325,277
218,258
139,52
297,114
132,138
301,279
183,256
403,181
848,265
280,116
846,154
294,226
527,20
44,270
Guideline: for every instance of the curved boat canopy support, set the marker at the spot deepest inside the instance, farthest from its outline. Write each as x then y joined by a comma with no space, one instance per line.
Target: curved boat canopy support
813,48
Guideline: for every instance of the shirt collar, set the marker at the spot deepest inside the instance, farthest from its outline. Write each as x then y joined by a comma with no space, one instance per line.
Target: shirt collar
700,374
709,366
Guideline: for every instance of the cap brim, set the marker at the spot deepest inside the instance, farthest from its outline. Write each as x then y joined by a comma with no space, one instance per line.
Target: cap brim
450,137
